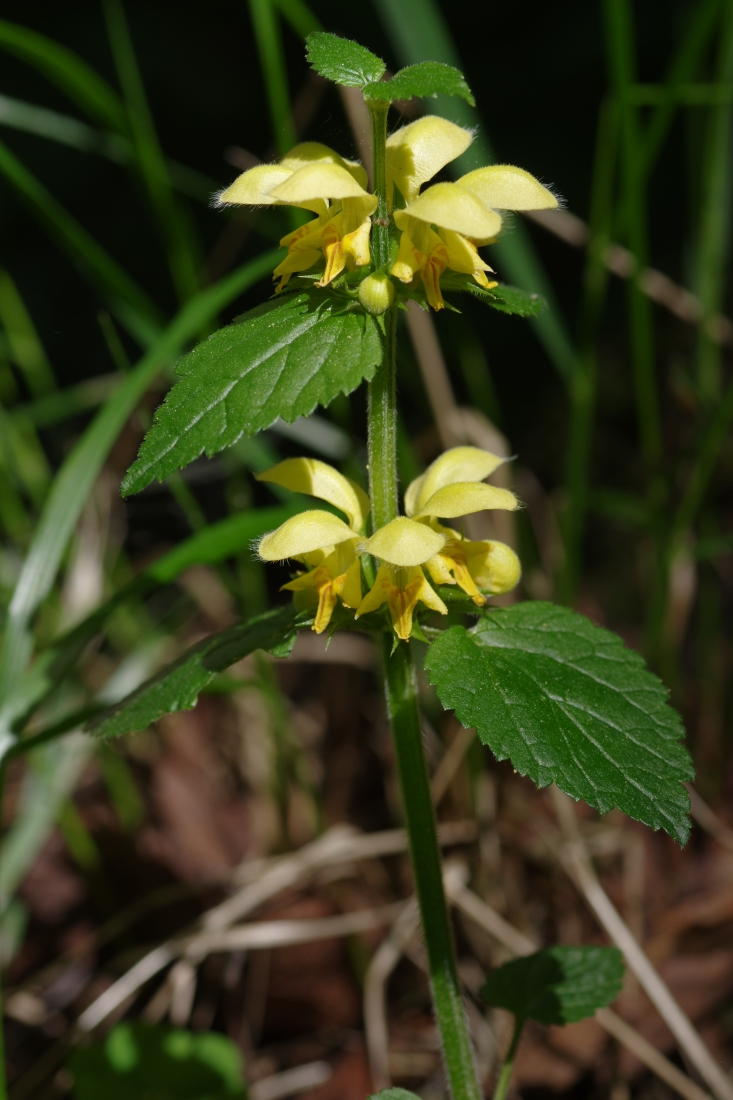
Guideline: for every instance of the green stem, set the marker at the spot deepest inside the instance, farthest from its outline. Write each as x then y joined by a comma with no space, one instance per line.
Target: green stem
420,819
401,685
508,1064
380,232
382,443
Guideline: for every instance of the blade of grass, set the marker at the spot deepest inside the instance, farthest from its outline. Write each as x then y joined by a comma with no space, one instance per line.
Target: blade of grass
693,42
78,135
183,258
23,457
79,472
622,71
714,242
68,72
299,16
418,32
131,305
584,383
25,347
266,26
210,546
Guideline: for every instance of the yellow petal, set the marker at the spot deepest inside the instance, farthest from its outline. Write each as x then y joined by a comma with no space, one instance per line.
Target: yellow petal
318,479
404,542
454,465
494,566
462,255
466,497
320,181
401,589
348,585
303,533
449,206
409,260
504,187
253,187
416,152
309,152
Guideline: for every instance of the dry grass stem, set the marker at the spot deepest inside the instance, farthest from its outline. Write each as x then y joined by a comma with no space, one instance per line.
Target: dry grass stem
577,863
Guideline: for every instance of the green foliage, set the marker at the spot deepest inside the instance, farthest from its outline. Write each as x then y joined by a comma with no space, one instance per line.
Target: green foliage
343,61
567,702
426,79
346,62
280,360
136,1060
177,686
507,299
560,985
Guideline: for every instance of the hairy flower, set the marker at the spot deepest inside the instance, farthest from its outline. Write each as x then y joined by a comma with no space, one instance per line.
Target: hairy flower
315,178
442,226
405,547
453,486
320,540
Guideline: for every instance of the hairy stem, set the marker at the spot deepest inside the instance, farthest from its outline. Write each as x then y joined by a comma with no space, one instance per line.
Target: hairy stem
420,819
401,684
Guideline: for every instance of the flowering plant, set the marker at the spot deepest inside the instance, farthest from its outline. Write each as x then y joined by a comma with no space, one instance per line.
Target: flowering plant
564,701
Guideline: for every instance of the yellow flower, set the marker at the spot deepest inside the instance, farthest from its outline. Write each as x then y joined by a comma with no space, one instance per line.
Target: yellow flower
402,546
405,547
320,540
442,227
315,178
453,486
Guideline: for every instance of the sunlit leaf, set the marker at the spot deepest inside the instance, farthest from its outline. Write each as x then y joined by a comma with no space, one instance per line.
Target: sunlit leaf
343,61
567,702
560,985
507,299
280,360
426,79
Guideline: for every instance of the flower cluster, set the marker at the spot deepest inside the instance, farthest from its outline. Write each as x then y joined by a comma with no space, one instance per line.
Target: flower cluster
440,228
330,548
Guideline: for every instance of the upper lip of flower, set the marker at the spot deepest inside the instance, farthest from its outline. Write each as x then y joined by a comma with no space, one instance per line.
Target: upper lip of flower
309,176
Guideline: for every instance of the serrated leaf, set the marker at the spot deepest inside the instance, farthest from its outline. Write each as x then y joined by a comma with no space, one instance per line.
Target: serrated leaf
560,985
177,686
343,61
280,360
507,299
426,79
567,702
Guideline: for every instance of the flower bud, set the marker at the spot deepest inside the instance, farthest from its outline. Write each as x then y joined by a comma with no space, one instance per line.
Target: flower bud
376,293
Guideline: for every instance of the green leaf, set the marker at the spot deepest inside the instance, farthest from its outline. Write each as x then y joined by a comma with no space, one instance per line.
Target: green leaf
428,78
507,299
177,686
567,702
165,1063
280,360
343,61
558,986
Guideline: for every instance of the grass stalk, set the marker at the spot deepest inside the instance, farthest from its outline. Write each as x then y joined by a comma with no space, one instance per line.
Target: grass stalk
584,382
